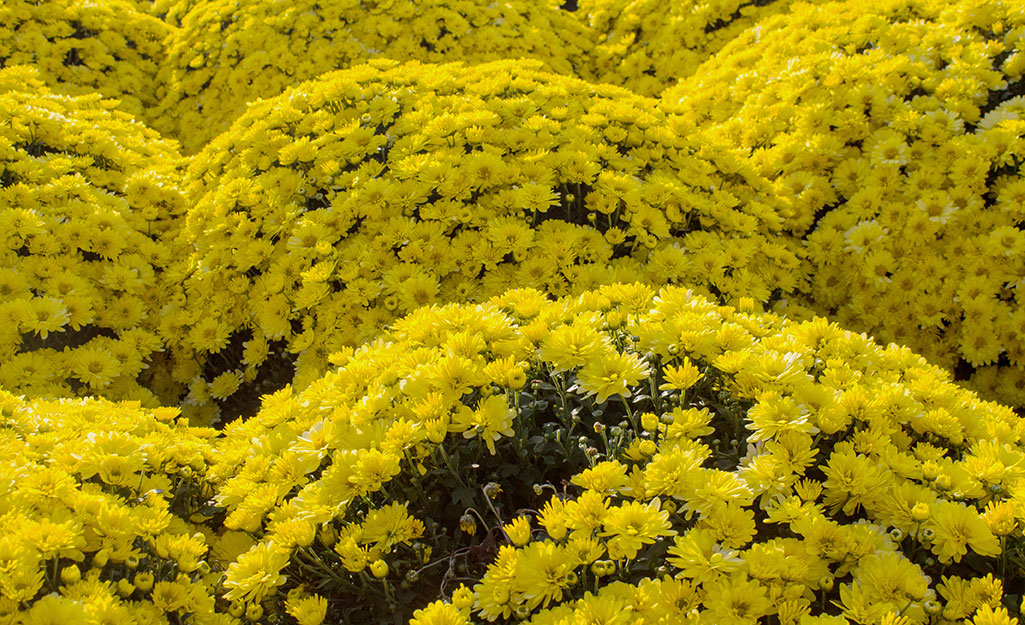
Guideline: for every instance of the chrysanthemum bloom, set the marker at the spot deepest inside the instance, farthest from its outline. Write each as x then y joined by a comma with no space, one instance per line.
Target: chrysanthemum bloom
633,525
256,573
611,373
957,528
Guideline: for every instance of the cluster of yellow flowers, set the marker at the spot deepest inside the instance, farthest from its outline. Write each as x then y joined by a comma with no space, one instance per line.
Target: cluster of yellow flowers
893,129
314,474
761,467
171,11
82,47
345,202
651,45
496,328
103,512
86,197
230,52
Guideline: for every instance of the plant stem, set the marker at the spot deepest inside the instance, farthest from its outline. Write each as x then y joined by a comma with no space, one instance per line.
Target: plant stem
630,414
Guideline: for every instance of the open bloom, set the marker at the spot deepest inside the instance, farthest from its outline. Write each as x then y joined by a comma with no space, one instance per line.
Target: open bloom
611,374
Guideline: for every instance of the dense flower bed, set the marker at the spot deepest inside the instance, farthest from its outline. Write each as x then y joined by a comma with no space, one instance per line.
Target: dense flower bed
327,212
892,128
81,47
104,510
230,52
171,11
650,45
494,341
87,197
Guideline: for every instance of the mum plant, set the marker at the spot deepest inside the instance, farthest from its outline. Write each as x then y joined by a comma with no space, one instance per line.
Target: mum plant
892,130
649,46
87,197
105,515
632,452
348,201
228,53
79,48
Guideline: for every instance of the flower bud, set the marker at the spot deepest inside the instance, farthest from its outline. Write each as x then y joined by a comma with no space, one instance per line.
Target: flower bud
379,568
463,598
70,574
144,582
328,535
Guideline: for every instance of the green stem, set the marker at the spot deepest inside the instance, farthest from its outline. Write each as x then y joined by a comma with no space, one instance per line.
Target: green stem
448,463
605,440
313,559
1003,557
487,500
630,414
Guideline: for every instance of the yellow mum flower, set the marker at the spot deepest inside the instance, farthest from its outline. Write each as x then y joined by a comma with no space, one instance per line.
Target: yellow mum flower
572,345
605,477
544,572
737,600
439,613
610,374
680,378
958,527
633,525
256,573
491,421
518,531
699,557
307,610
